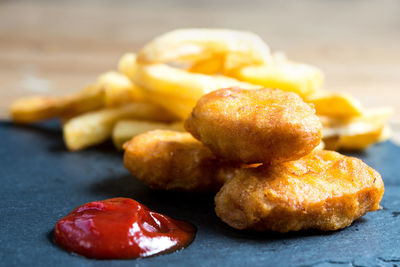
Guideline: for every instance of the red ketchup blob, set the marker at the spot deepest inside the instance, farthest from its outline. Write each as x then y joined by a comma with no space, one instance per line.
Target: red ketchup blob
120,228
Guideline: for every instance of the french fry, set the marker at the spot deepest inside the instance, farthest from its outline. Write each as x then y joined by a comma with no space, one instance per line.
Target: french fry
95,127
359,141
127,64
110,89
385,135
115,89
175,103
356,133
173,83
285,75
124,130
178,106
33,109
370,120
238,48
208,66
337,105
118,89
362,141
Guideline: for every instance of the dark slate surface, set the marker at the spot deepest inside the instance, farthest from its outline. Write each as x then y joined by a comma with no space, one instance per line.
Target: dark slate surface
41,182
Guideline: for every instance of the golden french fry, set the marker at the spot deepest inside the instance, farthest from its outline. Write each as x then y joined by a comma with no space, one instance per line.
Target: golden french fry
238,48
385,135
337,105
175,103
359,141
172,83
95,127
115,88
27,110
355,133
178,106
33,109
124,130
285,75
118,89
370,120
110,89
208,66
127,64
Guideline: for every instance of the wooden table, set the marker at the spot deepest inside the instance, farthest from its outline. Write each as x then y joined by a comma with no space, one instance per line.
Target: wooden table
57,47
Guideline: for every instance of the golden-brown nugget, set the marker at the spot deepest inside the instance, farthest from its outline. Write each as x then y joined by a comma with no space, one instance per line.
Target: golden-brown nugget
172,160
324,190
254,126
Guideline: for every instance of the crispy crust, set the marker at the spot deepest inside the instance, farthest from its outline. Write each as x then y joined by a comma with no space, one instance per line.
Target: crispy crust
172,160
324,190
253,126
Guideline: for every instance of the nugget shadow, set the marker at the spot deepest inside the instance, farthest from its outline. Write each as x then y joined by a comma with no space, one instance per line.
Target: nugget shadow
269,235
230,232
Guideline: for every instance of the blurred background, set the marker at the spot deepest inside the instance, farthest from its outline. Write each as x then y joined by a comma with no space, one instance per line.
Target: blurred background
58,47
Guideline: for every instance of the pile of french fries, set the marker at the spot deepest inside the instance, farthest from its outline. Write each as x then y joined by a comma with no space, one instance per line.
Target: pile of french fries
158,87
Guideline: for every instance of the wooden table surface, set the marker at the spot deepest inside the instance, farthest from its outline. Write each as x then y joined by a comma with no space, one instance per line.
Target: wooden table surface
57,47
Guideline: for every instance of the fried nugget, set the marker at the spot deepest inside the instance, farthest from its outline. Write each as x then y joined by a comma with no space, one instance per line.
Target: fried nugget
172,160
324,190
255,126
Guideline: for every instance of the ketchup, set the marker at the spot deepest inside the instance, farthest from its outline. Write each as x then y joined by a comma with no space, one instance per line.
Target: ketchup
120,228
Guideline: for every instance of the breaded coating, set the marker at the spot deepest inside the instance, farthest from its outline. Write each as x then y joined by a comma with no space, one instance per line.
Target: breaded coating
172,160
323,190
255,126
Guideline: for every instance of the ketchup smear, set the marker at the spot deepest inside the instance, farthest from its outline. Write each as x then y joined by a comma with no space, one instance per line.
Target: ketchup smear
120,228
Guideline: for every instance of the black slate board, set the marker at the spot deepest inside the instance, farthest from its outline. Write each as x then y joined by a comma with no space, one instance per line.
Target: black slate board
41,182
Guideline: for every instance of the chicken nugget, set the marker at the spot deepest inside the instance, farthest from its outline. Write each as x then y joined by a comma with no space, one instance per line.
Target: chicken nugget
255,126
171,160
323,190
